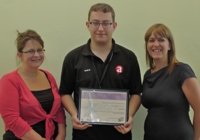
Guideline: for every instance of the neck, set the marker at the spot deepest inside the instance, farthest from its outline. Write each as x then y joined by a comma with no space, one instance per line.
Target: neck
31,73
102,47
101,50
159,65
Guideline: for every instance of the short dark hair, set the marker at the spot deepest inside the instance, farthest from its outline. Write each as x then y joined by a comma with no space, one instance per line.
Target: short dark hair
102,7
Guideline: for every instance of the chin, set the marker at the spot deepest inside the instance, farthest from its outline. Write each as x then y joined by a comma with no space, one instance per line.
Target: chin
101,41
36,66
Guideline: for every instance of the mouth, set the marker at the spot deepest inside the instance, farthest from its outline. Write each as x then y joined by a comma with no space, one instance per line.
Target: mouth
36,60
156,50
100,33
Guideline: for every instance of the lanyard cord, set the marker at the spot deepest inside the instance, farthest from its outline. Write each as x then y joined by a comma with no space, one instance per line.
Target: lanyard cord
104,72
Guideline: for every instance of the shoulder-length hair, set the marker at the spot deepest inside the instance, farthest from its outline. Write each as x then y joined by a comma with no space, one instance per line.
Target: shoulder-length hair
163,31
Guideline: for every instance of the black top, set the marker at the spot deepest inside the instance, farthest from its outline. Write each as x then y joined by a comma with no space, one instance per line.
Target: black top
46,99
81,68
168,108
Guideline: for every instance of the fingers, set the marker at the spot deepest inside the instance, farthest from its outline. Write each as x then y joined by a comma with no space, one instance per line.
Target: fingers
118,128
78,124
84,126
122,129
126,127
81,126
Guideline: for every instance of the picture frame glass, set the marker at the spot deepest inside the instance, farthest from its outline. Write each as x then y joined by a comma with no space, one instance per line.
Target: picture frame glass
103,106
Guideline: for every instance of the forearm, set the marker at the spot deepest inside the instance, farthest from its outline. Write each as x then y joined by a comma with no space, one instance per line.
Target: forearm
134,104
196,124
32,135
69,105
61,131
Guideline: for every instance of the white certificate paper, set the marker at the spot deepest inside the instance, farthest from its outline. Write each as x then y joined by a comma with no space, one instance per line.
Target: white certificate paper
100,106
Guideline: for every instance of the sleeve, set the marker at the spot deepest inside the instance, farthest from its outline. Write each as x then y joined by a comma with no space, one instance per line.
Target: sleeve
185,72
67,82
136,85
9,108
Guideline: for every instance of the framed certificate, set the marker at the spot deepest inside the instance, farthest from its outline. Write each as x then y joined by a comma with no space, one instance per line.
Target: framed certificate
102,106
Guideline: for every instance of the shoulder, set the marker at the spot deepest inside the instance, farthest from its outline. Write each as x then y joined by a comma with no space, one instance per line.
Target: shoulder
11,77
76,51
184,71
76,54
124,49
183,67
127,52
148,72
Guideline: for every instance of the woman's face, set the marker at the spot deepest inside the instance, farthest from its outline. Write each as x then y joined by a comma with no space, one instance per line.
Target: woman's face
32,54
158,47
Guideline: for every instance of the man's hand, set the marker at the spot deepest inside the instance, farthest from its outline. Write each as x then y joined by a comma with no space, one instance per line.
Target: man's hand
126,127
78,125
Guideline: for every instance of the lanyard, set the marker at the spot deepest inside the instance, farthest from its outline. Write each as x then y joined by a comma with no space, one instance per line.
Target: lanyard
104,71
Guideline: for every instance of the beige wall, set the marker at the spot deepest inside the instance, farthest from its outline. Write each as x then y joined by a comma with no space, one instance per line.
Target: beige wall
61,23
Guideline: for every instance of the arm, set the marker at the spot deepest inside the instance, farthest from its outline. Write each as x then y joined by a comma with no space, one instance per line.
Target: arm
32,135
135,99
61,118
70,107
61,132
134,104
10,111
191,90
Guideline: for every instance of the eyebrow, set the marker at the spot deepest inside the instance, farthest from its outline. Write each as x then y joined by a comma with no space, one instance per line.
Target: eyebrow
99,21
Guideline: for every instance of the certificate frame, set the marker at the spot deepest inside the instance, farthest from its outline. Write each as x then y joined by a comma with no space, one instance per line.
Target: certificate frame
103,106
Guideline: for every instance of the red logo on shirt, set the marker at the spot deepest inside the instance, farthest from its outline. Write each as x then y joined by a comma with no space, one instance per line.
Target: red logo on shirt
119,69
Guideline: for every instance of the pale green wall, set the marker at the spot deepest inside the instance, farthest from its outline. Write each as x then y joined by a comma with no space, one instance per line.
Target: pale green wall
61,23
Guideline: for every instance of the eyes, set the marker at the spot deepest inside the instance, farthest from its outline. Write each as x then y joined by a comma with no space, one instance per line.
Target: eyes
96,24
32,52
162,39
103,23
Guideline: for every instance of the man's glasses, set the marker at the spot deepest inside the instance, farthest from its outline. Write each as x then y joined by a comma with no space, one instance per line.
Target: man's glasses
32,52
105,25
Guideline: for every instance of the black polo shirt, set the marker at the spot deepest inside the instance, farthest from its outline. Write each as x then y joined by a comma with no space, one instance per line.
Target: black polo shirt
81,68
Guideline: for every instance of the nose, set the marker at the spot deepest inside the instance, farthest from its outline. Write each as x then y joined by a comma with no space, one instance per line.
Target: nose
100,26
156,43
36,53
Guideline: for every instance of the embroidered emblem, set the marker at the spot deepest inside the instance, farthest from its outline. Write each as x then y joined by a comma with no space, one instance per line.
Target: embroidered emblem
86,70
119,69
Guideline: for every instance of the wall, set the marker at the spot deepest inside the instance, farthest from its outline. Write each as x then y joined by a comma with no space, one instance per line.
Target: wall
61,24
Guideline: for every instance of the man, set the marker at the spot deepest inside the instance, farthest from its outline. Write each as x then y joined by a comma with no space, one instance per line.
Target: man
101,63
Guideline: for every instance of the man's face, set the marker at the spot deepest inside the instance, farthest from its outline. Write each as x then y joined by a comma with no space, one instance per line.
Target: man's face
101,33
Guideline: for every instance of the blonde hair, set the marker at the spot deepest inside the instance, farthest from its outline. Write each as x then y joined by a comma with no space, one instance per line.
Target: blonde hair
23,37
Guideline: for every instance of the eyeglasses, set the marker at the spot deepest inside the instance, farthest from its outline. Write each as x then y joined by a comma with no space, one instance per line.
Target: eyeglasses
32,52
105,25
